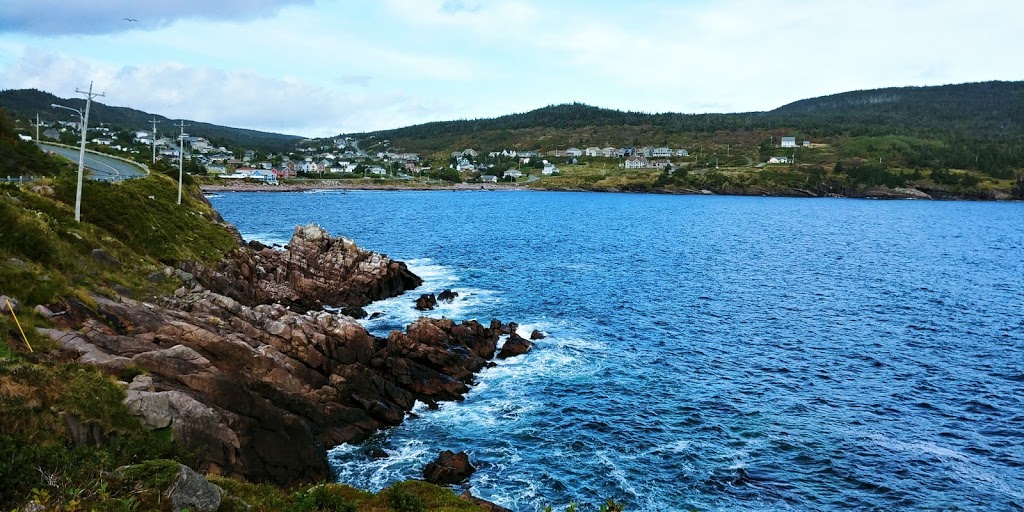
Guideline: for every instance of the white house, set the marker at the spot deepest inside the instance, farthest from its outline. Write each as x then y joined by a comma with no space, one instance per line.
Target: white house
682,152
608,152
636,162
513,173
573,152
378,170
789,142
807,144
489,178
778,160
267,176
549,169
644,151
661,152
592,151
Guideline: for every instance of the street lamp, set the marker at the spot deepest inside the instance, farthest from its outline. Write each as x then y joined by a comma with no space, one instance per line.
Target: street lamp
84,117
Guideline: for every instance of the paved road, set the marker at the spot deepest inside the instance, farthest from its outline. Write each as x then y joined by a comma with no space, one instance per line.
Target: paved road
101,167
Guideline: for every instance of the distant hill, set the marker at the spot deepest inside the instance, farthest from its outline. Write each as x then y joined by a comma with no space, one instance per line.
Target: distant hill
26,103
986,116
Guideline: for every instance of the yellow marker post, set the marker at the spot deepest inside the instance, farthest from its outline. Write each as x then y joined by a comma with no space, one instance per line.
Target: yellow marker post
16,322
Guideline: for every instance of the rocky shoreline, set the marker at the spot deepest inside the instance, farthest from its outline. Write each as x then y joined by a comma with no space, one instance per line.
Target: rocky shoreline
244,366
863,192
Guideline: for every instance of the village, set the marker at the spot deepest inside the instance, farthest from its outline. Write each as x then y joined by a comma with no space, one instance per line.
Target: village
342,158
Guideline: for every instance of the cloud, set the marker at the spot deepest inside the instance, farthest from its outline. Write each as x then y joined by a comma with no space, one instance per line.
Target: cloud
61,17
240,98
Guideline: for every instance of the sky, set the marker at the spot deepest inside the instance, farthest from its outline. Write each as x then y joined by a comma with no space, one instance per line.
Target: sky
320,68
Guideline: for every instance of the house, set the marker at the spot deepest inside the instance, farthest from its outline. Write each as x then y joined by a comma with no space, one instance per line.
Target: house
26,138
573,152
778,160
489,178
636,162
513,173
789,142
807,144
682,152
608,152
661,152
625,152
549,169
592,151
509,153
264,175
215,169
558,153
378,170
471,153
103,141
644,151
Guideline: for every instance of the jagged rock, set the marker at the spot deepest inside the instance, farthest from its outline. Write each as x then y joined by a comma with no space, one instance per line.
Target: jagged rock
105,258
190,491
447,296
255,245
537,335
315,270
449,468
426,302
262,392
516,345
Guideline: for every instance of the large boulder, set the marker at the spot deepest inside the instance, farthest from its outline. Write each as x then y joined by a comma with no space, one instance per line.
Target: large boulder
191,492
449,468
426,302
516,345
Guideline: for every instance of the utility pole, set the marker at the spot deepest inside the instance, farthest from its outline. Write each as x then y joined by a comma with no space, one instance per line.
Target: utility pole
154,121
181,156
84,116
37,126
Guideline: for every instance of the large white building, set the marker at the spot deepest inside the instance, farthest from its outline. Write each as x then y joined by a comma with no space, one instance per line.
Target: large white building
789,142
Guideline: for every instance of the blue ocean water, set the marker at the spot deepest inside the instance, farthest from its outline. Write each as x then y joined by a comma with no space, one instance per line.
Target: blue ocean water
704,352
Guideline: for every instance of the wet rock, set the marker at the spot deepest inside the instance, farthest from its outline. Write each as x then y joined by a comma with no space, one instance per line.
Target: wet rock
426,302
516,345
447,296
354,312
449,468
537,335
375,315
255,245
377,453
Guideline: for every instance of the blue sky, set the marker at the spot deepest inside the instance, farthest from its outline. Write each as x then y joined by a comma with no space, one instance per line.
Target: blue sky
320,68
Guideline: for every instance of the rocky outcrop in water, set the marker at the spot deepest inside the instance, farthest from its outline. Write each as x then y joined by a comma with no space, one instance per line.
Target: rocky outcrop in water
516,345
315,270
261,391
449,468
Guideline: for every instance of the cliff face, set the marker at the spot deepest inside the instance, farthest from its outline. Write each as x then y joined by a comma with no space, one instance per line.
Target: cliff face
260,390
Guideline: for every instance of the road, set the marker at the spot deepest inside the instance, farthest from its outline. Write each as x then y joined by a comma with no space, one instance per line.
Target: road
101,167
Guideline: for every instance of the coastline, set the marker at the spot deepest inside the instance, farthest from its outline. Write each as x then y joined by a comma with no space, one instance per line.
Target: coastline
876,192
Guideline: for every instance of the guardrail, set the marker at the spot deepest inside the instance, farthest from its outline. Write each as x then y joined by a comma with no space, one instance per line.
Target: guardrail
19,179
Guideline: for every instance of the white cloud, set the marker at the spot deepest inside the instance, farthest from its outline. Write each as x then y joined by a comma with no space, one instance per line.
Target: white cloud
242,98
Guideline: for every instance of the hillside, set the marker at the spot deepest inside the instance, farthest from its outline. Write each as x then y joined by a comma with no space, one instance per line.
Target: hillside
967,126
26,103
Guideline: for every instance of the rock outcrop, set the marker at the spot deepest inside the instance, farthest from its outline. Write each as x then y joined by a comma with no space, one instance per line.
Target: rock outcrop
261,391
315,270
516,345
449,468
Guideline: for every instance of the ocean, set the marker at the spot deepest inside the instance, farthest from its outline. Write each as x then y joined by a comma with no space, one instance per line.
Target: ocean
705,352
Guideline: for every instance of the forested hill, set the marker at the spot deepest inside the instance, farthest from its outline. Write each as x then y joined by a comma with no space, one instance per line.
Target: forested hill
26,103
987,110
984,109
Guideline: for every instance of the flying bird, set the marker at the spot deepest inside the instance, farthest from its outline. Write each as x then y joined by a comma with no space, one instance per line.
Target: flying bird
129,19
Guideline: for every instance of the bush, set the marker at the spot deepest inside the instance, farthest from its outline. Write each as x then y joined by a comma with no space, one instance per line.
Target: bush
322,498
